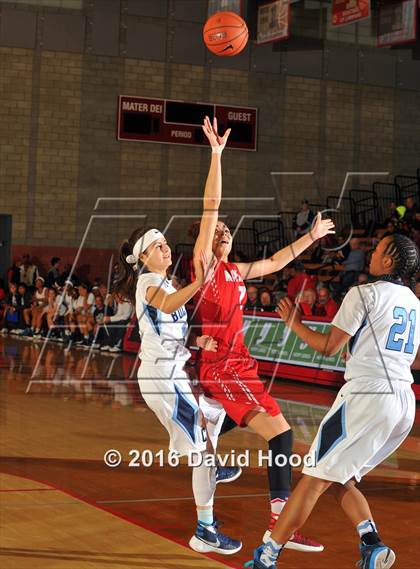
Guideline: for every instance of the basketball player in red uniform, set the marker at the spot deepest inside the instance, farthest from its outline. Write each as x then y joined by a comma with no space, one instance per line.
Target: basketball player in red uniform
230,374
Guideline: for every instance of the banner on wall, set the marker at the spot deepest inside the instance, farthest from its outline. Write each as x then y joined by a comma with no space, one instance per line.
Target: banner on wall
273,21
349,11
224,6
269,339
397,22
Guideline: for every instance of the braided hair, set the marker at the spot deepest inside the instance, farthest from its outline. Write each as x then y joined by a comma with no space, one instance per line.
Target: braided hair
406,259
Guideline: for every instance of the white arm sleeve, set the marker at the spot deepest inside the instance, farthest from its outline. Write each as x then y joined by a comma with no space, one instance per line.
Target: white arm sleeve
357,303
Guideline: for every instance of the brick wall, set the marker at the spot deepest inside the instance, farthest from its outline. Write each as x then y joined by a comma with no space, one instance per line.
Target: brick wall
59,153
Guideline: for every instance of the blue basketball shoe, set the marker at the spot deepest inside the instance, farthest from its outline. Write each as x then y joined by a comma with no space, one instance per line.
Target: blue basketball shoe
263,559
377,556
225,474
208,539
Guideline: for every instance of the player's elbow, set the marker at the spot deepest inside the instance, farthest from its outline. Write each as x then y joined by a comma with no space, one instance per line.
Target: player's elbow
331,349
210,204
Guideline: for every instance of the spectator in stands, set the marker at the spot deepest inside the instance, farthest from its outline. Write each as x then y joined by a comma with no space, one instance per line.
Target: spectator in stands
25,302
303,219
13,273
416,221
54,273
325,306
301,281
411,208
394,215
28,271
68,298
109,301
97,281
82,308
96,328
51,312
252,300
265,300
66,274
390,229
353,264
117,325
282,279
114,273
2,290
307,301
11,315
39,302
415,232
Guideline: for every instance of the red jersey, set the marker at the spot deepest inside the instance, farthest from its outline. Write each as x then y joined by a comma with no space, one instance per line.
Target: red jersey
221,305
230,375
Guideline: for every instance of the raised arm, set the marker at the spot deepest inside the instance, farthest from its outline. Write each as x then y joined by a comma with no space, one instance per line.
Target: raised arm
212,190
328,344
288,254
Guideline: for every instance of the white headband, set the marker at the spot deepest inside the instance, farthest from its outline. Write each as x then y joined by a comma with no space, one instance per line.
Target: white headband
142,244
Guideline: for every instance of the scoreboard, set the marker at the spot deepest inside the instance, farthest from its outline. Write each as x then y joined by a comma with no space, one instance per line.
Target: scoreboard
179,122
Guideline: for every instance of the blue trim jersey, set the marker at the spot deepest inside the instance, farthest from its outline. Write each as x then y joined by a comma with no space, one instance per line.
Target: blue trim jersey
383,319
162,335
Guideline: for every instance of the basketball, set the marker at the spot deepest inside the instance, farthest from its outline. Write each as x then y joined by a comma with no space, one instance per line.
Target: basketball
225,34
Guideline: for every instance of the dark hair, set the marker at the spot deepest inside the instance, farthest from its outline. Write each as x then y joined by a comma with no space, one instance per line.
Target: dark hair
194,229
406,257
126,279
55,260
24,285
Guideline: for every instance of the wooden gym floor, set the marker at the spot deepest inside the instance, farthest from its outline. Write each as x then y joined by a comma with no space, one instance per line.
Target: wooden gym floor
61,507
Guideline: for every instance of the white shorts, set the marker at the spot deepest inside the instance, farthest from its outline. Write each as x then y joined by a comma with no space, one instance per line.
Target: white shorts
361,429
167,391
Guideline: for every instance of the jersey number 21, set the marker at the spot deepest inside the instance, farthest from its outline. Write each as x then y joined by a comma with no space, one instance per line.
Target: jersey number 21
399,328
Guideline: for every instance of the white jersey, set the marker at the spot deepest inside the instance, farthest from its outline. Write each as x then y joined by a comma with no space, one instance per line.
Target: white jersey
80,301
162,335
383,319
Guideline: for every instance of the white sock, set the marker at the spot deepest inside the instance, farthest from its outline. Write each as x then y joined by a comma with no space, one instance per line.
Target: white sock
277,505
367,526
270,553
204,486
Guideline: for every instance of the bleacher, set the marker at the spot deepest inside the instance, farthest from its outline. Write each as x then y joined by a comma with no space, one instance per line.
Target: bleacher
359,214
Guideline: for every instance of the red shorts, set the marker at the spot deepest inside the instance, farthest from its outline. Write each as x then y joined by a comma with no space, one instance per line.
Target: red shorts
236,385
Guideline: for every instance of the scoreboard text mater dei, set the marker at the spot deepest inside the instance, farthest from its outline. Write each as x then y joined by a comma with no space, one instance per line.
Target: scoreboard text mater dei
179,122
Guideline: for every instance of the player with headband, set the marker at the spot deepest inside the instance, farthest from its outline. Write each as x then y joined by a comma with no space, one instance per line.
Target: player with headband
193,423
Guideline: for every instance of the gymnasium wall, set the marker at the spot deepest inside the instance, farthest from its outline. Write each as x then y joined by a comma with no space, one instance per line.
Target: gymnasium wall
328,104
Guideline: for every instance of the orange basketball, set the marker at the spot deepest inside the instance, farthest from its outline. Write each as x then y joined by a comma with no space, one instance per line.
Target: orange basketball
225,33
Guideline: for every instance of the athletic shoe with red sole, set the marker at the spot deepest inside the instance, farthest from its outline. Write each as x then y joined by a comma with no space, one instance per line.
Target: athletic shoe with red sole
298,542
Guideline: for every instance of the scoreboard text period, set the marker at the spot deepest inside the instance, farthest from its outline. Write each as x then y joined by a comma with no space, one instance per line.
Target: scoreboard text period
179,122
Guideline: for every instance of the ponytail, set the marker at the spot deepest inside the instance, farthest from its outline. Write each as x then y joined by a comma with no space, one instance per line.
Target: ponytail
126,280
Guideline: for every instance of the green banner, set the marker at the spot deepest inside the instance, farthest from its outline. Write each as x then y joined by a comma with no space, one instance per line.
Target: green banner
270,340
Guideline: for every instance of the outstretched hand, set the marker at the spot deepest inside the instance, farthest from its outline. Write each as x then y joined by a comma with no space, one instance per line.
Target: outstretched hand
216,141
288,311
321,227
